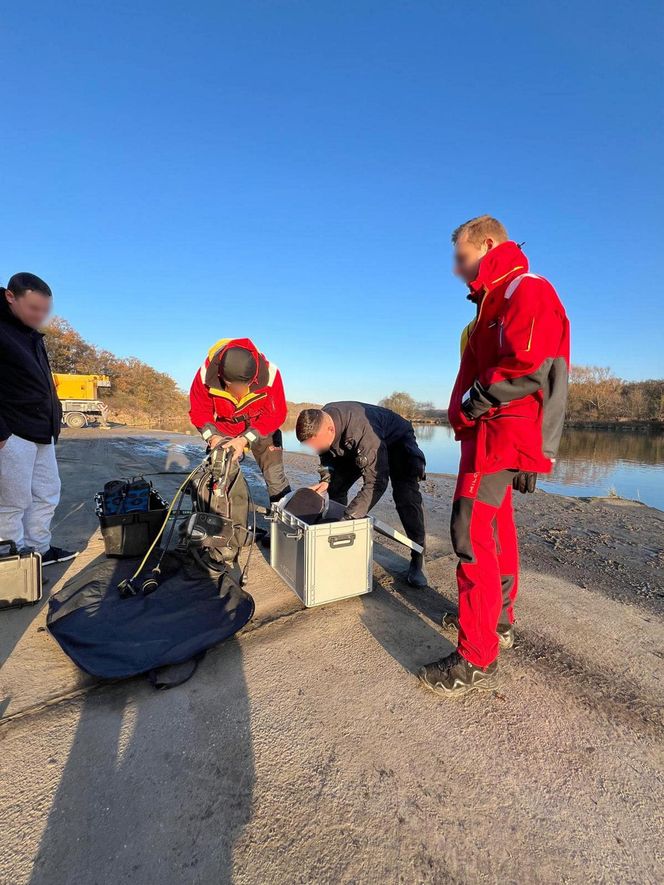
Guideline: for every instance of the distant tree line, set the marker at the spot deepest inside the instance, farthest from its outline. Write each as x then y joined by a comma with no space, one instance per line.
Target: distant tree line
596,395
141,394
138,393
405,405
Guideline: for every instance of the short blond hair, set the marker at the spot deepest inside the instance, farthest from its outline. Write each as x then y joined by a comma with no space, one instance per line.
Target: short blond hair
480,229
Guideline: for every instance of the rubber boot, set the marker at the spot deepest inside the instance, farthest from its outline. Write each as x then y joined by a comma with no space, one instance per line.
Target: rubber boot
416,576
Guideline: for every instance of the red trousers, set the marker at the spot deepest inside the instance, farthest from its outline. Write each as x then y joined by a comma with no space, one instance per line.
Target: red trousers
484,539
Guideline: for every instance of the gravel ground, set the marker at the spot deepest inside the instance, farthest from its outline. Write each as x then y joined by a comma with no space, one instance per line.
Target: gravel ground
304,751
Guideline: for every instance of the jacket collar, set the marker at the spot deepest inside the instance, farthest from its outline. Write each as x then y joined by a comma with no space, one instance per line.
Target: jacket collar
8,316
499,265
339,427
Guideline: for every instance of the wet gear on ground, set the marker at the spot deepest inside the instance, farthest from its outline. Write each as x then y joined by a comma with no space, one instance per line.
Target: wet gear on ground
485,540
113,637
119,618
378,446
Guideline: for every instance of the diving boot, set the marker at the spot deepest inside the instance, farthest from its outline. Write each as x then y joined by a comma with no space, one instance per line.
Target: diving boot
450,625
453,676
416,576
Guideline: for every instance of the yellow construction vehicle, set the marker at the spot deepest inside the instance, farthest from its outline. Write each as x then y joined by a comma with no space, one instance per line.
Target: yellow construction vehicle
79,397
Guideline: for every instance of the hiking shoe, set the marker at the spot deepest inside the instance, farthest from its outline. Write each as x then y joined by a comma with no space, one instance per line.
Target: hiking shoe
416,576
454,676
450,625
57,554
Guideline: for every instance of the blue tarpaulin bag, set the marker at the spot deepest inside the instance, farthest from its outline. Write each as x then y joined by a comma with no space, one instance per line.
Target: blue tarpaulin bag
114,638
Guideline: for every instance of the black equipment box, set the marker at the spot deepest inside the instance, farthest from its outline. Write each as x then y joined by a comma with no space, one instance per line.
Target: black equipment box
20,576
130,534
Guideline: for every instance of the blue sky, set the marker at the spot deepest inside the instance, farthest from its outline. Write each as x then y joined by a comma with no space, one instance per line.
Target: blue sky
291,170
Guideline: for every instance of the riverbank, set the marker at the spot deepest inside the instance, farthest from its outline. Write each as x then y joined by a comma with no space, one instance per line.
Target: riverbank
304,751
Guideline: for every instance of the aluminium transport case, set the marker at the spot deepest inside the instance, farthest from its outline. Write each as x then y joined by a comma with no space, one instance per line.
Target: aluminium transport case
325,562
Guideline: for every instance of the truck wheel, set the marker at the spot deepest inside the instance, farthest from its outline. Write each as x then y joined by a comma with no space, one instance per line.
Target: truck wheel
75,419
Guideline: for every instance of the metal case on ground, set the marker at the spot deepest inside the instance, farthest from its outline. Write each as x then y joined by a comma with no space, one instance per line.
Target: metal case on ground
20,579
325,562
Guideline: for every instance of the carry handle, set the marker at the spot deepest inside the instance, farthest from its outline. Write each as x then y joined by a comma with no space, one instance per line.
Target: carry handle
8,548
296,535
341,540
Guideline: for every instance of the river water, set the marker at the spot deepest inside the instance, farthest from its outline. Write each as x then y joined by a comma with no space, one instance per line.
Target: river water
590,462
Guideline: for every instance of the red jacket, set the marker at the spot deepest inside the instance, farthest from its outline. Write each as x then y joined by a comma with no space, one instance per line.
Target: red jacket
512,382
214,411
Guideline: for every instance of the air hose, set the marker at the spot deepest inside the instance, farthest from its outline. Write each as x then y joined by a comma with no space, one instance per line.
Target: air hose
127,586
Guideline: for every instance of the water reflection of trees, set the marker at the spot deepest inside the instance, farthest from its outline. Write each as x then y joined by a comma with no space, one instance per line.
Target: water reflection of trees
426,432
589,457
608,447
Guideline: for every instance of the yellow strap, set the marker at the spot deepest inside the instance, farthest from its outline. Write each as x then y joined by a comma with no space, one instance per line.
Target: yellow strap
465,335
215,347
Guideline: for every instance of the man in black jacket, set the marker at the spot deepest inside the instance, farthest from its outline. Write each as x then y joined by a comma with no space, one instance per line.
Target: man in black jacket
357,440
30,418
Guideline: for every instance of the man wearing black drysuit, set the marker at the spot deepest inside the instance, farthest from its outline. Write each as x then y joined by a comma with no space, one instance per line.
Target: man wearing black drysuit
356,440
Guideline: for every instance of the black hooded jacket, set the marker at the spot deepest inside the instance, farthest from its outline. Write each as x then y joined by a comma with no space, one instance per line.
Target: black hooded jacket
29,404
364,436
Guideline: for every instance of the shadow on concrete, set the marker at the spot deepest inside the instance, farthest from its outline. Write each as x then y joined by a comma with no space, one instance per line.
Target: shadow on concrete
402,618
409,639
157,786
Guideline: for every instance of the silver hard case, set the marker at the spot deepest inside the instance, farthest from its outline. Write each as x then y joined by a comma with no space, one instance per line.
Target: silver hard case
322,563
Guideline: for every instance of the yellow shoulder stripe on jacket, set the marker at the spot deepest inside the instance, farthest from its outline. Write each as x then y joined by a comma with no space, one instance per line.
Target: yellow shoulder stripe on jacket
217,346
465,335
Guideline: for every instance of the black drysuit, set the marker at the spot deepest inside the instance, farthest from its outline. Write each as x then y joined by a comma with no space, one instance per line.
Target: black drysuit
376,445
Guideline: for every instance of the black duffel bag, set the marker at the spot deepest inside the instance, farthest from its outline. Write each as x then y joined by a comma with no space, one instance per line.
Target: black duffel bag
111,637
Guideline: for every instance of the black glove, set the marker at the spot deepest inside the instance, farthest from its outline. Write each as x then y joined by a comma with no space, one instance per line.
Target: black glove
524,482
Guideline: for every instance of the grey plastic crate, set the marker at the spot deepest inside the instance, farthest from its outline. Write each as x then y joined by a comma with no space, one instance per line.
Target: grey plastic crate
322,563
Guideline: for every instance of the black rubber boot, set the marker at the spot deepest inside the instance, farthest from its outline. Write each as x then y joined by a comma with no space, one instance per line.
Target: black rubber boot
454,676
450,625
416,576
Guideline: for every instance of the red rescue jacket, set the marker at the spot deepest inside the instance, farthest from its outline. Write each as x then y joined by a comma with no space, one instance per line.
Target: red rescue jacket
215,411
514,369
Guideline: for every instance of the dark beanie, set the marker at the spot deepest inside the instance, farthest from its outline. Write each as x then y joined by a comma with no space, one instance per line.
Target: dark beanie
238,364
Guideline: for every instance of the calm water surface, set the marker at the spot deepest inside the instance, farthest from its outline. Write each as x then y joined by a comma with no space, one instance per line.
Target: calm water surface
590,462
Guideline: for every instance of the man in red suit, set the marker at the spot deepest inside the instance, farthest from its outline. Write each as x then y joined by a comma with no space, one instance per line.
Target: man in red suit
507,409
238,396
